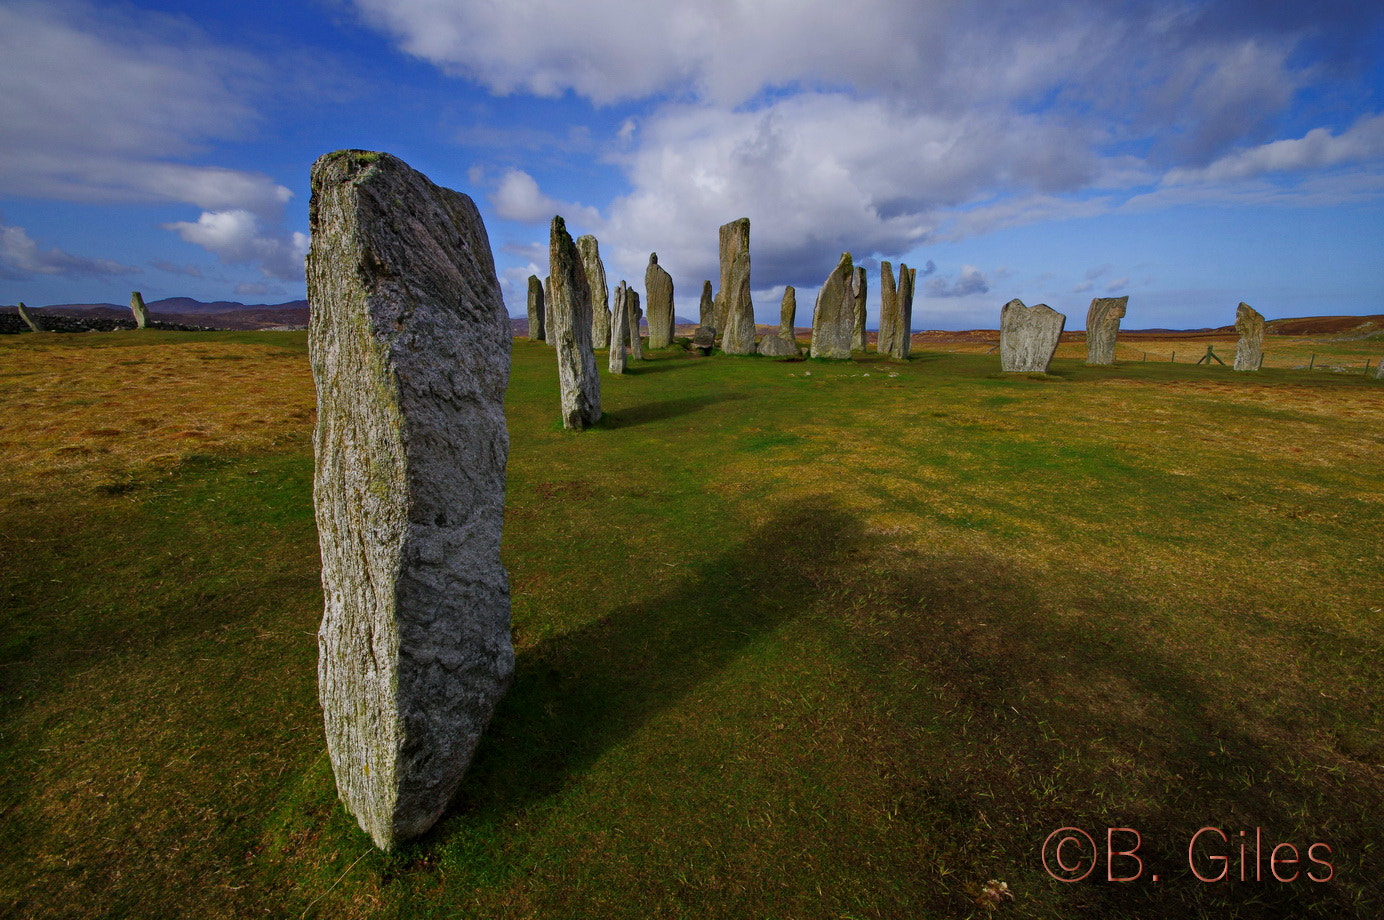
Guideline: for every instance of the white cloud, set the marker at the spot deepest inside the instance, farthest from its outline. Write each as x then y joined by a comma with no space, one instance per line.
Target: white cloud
517,197
971,281
1317,149
21,258
235,237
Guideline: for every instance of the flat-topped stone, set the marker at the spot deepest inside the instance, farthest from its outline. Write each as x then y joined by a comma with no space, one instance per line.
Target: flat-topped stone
1029,337
735,312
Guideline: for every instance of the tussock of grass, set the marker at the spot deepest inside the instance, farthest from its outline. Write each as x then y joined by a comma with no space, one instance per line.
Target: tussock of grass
792,640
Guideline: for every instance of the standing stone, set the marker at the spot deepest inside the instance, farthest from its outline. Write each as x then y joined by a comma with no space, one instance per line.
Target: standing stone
138,308
833,316
783,344
409,342
903,340
535,309
658,287
1102,328
569,329
858,292
1028,337
1249,351
29,319
706,315
600,296
735,310
888,309
634,316
619,331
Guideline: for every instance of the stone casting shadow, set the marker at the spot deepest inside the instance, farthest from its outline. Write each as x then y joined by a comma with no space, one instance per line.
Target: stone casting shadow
668,408
578,694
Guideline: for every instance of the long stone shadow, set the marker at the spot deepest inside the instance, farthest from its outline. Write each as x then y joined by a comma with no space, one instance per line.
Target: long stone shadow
668,408
576,695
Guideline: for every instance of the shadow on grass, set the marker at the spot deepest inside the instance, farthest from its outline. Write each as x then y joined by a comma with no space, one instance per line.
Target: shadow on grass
668,408
578,694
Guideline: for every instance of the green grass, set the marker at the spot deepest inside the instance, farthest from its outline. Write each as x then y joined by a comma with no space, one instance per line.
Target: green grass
795,639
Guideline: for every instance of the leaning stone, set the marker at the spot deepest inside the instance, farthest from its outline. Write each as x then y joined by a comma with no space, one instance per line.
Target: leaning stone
888,310
706,315
1102,328
1029,337
634,316
903,338
569,329
658,287
619,331
535,309
833,316
735,318
859,285
1249,351
600,298
29,319
140,311
784,343
409,343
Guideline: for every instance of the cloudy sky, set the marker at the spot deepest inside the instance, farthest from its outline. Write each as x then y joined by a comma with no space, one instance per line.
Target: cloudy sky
1190,155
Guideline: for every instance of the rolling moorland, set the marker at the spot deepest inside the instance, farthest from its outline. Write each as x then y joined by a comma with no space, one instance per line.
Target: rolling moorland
795,639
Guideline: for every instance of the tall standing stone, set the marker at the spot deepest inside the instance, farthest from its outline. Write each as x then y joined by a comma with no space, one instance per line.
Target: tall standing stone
409,342
1029,337
735,312
706,310
1249,351
535,309
658,287
569,329
634,315
833,316
888,310
903,339
29,319
619,331
590,251
138,308
783,343
1103,327
859,290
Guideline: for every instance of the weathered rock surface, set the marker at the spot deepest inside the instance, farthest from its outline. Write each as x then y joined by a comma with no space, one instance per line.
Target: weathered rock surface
658,287
833,316
569,329
535,309
409,343
706,315
590,251
29,319
1028,337
634,315
704,339
903,337
783,343
1103,327
735,312
859,289
888,310
1249,351
775,345
619,331
138,308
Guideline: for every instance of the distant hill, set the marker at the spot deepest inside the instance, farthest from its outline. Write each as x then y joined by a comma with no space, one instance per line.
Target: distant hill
220,314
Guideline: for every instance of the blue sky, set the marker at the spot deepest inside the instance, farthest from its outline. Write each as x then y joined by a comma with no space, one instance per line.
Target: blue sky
1190,155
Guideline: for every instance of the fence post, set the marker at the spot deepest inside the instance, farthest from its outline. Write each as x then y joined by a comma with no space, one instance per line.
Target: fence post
1173,359
1367,367
1312,362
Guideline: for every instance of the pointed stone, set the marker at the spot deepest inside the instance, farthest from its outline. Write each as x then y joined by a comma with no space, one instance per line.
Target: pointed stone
569,329
409,343
859,289
658,287
833,316
29,319
1249,351
619,331
1029,337
903,339
535,309
140,311
783,343
735,311
888,310
634,315
1103,327
590,251
788,313
706,315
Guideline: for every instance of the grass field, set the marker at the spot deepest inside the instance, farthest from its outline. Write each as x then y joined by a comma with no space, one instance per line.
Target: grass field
795,640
